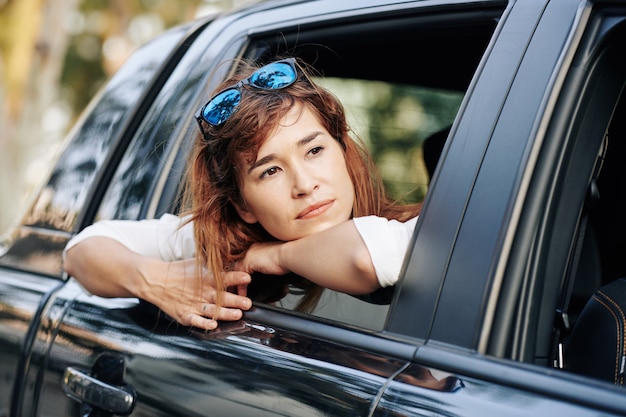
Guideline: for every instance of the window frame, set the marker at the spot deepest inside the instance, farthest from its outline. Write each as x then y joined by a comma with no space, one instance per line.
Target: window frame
543,248
258,42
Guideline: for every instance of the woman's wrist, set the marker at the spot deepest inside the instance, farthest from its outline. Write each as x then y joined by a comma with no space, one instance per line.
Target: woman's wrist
142,282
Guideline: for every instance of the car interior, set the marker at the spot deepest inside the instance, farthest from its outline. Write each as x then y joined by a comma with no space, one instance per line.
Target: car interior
590,318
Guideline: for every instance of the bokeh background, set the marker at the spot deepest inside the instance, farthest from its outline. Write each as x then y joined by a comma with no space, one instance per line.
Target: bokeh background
54,56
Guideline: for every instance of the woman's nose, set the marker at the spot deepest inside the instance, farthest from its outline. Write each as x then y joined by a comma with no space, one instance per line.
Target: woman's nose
303,183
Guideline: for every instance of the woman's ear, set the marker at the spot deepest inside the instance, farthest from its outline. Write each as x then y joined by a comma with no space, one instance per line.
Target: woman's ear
245,214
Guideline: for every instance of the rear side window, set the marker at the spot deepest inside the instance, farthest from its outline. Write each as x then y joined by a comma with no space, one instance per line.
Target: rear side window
96,135
72,186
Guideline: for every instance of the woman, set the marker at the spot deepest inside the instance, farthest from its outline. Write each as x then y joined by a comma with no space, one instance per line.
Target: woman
275,162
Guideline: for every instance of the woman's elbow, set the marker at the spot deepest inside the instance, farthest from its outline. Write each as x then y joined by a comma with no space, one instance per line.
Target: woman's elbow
365,269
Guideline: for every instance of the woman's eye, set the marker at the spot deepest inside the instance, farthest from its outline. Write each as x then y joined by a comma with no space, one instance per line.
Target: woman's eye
316,150
269,172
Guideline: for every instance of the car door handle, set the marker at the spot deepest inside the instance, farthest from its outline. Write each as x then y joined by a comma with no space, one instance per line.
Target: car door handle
84,388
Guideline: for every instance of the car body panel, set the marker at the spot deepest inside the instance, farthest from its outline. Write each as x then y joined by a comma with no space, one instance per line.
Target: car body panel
428,264
512,139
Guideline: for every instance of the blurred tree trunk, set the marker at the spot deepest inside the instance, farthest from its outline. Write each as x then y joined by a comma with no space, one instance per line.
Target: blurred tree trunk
33,43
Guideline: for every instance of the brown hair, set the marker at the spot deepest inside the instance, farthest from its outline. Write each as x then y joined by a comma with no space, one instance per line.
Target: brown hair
221,236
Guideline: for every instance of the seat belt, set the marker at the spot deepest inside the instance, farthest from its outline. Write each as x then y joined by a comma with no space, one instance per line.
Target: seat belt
562,324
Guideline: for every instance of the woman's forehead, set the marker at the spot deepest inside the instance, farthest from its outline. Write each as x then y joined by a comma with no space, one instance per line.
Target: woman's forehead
289,117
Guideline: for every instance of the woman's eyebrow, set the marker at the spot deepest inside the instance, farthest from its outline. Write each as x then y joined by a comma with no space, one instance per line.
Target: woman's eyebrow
309,138
268,158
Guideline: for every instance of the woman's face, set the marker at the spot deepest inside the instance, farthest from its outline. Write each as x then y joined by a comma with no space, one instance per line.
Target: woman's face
299,183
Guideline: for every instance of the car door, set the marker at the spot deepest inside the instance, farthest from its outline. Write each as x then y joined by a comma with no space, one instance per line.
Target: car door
532,209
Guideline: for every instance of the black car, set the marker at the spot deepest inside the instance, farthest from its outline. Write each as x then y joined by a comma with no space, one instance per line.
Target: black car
507,118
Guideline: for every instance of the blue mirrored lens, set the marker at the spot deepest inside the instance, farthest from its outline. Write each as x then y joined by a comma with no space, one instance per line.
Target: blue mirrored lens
221,106
273,76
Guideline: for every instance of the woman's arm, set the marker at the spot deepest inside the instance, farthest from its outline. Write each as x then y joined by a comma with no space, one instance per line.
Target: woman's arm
106,267
336,258
355,257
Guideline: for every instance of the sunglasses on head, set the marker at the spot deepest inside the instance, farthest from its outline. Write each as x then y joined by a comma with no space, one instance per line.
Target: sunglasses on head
273,76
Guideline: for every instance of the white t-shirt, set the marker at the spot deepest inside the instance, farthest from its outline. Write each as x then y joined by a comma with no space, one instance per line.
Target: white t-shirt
386,240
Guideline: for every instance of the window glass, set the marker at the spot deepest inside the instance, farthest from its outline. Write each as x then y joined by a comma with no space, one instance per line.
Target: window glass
60,202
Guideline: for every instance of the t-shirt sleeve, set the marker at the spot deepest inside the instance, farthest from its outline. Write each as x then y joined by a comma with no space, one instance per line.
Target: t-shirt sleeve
162,238
387,242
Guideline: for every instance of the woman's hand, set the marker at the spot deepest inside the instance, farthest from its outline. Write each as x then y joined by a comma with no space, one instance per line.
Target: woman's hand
263,258
191,300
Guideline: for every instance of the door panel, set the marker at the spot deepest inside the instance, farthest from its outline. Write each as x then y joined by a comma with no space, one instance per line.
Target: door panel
243,368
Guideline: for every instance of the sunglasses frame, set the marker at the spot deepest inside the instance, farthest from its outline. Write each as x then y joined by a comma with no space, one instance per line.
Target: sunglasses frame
249,81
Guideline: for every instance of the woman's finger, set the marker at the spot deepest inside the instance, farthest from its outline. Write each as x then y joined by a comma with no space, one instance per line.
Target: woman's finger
202,322
223,313
232,300
236,278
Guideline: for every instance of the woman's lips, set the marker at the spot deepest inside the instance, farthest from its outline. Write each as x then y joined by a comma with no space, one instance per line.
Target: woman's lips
315,210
